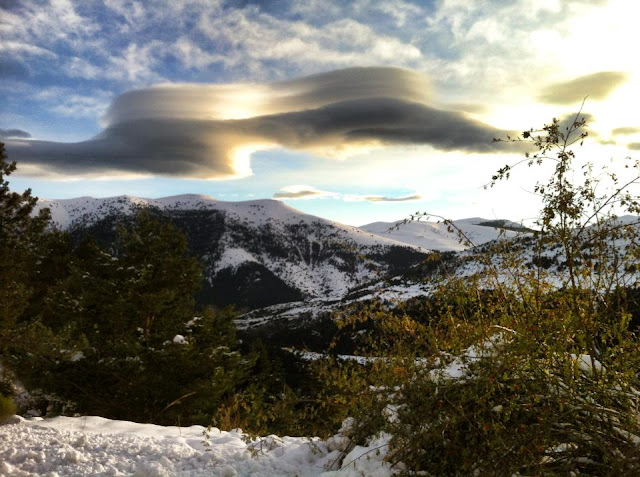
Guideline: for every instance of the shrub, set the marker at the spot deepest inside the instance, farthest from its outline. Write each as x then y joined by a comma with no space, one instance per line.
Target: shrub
7,408
524,368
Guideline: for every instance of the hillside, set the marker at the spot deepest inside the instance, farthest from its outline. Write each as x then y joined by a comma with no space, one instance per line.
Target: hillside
429,235
256,253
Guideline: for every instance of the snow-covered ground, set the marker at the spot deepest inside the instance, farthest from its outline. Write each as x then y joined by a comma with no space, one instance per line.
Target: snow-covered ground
73,446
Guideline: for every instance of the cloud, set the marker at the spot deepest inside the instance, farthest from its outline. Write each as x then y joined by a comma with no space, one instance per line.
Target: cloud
625,131
209,131
296,195
566,120
310,192
28,23
597,86
25,49
378,198
246,100
257,38
634,146
14,133
302,192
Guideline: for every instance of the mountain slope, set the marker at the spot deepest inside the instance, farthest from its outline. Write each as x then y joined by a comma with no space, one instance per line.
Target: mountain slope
436,236
256,253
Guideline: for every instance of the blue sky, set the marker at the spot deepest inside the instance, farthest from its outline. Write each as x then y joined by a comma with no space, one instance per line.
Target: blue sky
355,111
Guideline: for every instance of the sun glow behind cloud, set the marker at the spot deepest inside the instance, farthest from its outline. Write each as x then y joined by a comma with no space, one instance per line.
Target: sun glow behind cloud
248,94
186,131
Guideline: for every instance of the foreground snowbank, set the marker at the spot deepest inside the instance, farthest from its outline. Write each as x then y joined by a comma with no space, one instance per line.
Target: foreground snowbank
66,446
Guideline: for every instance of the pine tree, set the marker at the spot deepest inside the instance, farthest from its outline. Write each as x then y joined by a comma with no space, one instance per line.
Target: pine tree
20,233
126,340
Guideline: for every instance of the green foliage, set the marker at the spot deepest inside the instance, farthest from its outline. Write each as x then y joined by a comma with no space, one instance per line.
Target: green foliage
524,367
19,241
285,395
116,332
530,399
7,407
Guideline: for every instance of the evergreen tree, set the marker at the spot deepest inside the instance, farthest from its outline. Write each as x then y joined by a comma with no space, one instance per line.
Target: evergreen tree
20,233
125,339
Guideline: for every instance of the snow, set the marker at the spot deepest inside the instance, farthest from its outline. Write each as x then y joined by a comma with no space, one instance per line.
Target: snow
91,445
436,236
179,339
313,271
86,210
233,257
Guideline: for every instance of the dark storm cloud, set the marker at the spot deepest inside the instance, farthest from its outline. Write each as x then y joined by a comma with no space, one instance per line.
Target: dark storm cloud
596,86
376,198
204,131
14,133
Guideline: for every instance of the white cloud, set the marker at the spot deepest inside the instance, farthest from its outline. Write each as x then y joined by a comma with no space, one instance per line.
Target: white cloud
297,192
136,63
398,10
80,68
45,25
382,198
16,47
133,12
192,56
67,102
252,35
75,105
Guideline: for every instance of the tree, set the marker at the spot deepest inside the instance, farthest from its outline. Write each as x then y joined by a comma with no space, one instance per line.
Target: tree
125,338
20,233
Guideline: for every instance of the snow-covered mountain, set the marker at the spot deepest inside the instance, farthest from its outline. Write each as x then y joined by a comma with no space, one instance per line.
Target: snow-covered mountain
281,265
439,236
257,252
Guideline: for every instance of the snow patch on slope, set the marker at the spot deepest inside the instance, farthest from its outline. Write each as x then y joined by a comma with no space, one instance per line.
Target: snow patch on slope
436,236
234,257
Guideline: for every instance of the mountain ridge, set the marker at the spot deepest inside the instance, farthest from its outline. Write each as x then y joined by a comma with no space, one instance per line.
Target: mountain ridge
255,253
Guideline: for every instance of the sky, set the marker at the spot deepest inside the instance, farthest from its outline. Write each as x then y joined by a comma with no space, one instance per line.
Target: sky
356,111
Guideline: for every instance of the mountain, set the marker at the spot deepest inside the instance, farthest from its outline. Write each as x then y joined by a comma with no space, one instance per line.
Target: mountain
255,253
439,236
289,271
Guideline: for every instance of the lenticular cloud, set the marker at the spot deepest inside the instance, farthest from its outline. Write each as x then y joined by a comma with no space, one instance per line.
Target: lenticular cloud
209,131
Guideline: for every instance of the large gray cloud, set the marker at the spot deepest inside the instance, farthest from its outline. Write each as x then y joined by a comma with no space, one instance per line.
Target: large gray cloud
13,133
595,86
204,131
241,100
